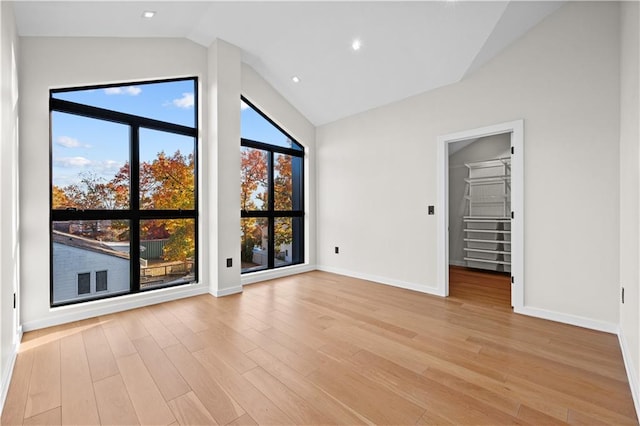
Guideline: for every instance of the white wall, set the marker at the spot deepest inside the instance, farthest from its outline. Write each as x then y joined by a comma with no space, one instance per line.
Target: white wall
377,170
65,62
629,190
489,147
9,242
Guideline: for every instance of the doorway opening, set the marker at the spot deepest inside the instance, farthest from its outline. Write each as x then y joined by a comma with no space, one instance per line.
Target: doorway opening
480,227
480,219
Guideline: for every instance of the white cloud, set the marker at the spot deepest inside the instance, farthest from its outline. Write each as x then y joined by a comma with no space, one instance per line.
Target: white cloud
243,106
72,162
126,90
186,101
109,167
69,142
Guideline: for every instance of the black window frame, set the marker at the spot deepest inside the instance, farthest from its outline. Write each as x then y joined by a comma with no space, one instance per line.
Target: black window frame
270,213
134,214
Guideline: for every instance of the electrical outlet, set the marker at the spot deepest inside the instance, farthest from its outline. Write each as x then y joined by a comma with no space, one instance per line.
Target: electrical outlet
337,250
229,262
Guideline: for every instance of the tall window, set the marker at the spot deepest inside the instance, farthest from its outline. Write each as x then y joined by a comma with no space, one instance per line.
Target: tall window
271,194
123,189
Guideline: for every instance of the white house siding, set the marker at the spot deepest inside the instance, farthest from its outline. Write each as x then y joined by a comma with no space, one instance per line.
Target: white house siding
71,261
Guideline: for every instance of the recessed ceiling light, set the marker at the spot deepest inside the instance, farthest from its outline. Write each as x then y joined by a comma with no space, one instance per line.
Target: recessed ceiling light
356,45
148,14
295,79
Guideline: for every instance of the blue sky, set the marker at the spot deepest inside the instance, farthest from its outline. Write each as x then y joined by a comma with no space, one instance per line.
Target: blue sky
253,126
81,144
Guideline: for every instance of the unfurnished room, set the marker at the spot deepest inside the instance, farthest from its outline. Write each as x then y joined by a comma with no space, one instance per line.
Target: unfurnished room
319,212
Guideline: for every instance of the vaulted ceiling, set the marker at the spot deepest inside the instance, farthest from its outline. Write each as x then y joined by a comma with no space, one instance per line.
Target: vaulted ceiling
406,47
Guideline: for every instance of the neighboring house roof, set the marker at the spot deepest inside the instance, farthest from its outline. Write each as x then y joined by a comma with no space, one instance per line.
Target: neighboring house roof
86,244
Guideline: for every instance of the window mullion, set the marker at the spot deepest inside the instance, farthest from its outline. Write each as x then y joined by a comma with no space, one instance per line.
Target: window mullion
271,208
134,202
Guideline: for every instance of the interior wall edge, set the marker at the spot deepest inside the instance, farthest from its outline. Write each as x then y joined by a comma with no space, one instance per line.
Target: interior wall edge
8,372
632,375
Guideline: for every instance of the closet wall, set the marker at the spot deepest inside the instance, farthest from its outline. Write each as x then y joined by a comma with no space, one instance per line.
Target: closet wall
461,153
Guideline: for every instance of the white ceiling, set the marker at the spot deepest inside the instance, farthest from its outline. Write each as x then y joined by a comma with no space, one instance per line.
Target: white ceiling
407,47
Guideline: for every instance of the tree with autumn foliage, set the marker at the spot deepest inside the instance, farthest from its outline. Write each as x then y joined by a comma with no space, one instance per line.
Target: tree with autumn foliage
169,183
253,196
253,175
166,183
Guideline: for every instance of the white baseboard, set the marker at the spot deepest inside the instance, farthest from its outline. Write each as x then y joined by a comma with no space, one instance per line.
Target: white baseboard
226,291
94,308
259,276
8,371
382,280
579,321
632,375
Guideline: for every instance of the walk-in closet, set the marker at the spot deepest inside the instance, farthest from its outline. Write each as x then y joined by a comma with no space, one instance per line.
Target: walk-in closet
480,207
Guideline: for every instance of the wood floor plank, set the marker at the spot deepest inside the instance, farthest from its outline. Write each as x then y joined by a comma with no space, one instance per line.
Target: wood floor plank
186,336
44,384
164,373
322,401
156,329
298,409
48,418
365,396
114,404
244,420
131,322
227,351
101,360
298,363
145,396
14,406
119,342
222,407
261,409
77,397
189,410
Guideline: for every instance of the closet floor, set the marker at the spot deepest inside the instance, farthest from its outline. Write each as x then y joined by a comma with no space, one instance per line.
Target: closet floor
480,287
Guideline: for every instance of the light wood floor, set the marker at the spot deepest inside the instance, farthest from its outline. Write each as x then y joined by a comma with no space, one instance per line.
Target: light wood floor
319,348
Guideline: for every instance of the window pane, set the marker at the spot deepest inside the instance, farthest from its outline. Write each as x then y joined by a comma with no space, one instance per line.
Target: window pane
84,283
254,244
288,233
287,182
255,127
86,246
171,101
101,280
167,252
167,171
89,164
253,179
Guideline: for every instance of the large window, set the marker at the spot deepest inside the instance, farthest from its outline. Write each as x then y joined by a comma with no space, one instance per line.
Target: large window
271,194
123,189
